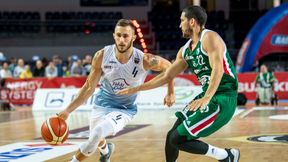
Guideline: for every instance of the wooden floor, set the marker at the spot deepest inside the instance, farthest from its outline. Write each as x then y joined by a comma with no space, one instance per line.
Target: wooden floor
147,144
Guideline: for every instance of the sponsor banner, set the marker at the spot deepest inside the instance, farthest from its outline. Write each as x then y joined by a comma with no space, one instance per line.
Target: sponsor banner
247,84
22,91
35,151
280,40
58,99
154,98
248,87
181,80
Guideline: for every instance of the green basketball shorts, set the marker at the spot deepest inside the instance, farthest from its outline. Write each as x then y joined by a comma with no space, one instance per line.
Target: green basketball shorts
217,113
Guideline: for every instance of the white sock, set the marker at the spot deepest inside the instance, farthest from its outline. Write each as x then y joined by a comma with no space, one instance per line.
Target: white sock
74,159
216,153
104,150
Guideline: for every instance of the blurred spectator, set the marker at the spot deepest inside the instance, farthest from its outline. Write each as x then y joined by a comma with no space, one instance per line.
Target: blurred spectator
51,70
39,70
12,65
279,68
69,62
78,69
58,64
87,63
5,72
265,85
2,57
66,72
19,68
45,61
72,61
26,73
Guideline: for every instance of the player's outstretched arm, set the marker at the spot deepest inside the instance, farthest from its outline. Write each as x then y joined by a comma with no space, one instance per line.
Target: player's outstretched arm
88,88
178,66
157,63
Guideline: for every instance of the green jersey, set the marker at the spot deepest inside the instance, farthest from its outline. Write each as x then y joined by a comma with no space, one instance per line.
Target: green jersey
265,80
198,63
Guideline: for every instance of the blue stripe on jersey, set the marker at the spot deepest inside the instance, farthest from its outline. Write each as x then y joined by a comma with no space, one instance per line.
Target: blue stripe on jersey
110,100
117,76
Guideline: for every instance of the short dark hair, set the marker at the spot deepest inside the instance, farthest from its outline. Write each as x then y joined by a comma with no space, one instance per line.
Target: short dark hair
124,23
196,12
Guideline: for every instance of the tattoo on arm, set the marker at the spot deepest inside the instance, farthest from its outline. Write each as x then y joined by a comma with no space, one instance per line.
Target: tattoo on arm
153,60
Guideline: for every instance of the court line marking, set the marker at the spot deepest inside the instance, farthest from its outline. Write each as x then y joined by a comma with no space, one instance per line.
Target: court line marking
246,113
279,117
35,151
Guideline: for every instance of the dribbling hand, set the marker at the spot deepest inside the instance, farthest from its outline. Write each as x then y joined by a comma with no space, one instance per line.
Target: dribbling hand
63,114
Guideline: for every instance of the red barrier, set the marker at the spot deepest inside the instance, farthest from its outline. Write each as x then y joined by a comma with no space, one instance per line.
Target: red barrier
22,90
246,83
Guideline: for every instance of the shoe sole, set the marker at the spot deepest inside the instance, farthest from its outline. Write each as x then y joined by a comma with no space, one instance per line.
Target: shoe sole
236,153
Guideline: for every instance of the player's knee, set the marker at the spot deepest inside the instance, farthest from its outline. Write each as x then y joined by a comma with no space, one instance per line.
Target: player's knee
91,145
97,134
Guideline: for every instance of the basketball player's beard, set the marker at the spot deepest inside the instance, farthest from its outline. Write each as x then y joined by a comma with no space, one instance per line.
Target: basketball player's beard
187,33
124,50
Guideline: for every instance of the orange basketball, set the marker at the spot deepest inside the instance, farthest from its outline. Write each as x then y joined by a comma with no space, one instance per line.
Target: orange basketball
54,131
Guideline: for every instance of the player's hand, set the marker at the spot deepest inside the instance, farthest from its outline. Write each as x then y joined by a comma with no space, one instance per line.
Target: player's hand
63,114
169,99
199,103
127,91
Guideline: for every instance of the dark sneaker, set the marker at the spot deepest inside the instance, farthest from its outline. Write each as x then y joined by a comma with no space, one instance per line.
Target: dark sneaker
106,158
233,155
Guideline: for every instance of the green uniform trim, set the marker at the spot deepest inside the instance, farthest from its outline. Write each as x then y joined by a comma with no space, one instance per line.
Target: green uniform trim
222,105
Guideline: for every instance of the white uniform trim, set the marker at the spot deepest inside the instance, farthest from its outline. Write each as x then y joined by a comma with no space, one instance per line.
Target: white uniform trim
187,44
224,54
201,37
227,63
189,129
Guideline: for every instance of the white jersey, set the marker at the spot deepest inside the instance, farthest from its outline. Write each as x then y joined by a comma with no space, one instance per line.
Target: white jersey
117,76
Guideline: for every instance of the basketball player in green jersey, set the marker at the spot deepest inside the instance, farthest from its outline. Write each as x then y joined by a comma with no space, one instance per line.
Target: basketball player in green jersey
206,55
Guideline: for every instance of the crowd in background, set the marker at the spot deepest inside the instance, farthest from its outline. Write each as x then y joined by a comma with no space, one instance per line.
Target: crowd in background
59,67
43,67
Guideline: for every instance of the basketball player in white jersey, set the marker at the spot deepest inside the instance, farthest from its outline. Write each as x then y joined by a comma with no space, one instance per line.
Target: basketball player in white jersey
119,66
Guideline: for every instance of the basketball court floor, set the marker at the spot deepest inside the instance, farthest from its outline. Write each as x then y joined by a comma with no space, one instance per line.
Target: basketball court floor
261,133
